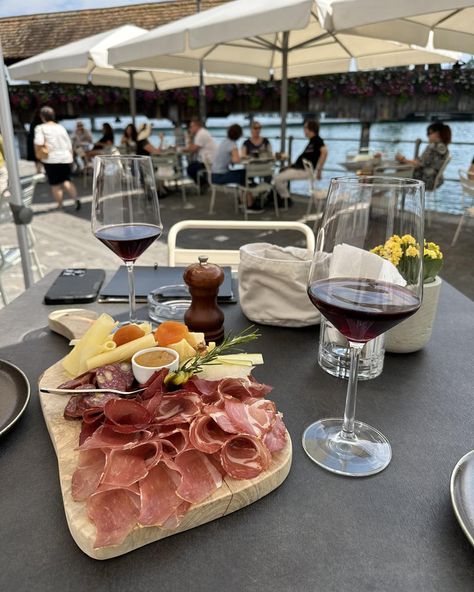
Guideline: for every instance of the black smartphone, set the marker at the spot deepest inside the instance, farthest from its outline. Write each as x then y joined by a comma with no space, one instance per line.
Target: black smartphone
75,286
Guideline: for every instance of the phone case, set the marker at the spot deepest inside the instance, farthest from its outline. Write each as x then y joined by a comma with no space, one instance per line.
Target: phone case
75,286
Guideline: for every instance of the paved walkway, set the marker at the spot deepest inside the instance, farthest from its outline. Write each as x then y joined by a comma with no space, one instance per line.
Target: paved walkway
64,238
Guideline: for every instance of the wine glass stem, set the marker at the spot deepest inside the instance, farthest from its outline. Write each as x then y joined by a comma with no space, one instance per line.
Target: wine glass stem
131,291
347,432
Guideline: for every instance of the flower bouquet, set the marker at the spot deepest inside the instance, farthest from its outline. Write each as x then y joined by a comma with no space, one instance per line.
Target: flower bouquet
404,253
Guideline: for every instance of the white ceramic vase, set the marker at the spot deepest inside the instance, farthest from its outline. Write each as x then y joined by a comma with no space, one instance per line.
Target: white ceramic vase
414,333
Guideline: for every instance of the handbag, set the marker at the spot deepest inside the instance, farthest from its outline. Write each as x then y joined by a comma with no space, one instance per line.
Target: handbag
272,285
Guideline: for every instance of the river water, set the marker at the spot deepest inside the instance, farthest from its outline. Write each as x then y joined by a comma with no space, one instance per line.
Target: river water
340,138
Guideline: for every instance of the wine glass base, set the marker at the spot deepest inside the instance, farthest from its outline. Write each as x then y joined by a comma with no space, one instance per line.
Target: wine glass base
367,454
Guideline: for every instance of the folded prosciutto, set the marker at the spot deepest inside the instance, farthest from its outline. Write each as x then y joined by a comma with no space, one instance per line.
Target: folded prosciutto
144,461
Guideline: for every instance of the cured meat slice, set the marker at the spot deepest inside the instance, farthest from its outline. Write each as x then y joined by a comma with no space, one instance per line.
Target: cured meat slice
125,467
106,437
117,376
241,388
208,389
254,419
114,513
78,404
87,378
175,518
275,439
177,408
87,429
206,435
87,476
245,457
221,418
127,416
175,440
159,501
199,477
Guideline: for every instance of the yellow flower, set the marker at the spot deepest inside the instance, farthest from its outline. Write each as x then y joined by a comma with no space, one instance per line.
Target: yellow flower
377,250
408,239
412,252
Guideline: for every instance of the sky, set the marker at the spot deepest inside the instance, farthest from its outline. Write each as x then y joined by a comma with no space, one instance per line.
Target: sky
12,8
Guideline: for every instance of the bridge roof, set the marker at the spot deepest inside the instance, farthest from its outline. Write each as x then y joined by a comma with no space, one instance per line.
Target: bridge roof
25,36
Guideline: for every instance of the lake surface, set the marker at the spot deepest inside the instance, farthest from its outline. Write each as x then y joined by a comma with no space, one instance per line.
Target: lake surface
340,138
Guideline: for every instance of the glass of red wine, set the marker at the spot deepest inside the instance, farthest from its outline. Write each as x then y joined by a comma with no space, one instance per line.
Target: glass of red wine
363,294
125,210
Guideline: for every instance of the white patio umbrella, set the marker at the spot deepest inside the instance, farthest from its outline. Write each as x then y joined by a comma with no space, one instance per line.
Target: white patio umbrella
409,21
86,60
282,39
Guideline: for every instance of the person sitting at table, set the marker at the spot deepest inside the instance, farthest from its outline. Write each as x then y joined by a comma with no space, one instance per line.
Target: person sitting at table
81,143
315,151
226,155
144,147
129,139
256,146
429,164
202,146
470,172
105,143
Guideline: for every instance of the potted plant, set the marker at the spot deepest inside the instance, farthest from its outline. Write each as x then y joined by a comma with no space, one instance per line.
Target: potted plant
404,252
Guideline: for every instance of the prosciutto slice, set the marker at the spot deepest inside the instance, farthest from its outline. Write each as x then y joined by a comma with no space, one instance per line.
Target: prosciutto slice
106,437
125,467
245,457
254,419
241,388
206,435
178,408
158,499
87,476
127,416
199,477
275,440
114,513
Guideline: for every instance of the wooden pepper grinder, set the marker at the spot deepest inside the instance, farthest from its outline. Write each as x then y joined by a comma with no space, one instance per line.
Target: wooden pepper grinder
204,315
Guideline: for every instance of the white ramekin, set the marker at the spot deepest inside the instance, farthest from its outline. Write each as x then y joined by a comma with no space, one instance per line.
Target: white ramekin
143,373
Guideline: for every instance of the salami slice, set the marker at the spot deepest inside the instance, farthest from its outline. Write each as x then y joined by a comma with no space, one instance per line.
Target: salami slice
117,376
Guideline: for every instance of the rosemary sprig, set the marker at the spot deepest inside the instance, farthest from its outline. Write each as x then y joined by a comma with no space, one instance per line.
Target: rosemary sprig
194,365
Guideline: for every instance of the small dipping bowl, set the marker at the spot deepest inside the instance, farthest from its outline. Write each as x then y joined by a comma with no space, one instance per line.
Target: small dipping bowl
143,373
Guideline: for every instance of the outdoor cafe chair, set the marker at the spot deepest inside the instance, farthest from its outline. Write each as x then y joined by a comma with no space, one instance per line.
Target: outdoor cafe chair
168,169
467,186
182,256
258,177
10,255
231,188
317,197
432,196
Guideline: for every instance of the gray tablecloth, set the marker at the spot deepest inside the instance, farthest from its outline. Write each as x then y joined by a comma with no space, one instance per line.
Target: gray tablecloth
395,531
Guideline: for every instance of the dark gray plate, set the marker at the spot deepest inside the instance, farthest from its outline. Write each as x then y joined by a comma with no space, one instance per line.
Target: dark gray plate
462,494
14,394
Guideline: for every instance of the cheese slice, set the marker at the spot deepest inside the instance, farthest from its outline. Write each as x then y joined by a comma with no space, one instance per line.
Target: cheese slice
243,359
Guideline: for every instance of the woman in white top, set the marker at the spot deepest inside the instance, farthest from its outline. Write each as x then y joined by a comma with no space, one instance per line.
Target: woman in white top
53,147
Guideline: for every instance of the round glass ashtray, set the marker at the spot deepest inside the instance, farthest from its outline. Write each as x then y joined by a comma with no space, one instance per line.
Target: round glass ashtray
168,303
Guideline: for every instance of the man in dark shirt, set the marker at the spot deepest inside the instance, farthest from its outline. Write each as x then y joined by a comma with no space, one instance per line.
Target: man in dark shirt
315,152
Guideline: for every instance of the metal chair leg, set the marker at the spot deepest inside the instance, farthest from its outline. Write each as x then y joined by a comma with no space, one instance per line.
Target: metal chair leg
310,204
213,199
275,203
3,294
458,230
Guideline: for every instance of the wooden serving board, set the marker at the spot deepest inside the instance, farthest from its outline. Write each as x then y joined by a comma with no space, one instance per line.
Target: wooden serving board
233,495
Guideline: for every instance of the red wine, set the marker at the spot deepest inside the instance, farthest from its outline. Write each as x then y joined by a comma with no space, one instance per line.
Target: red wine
128,241
362,309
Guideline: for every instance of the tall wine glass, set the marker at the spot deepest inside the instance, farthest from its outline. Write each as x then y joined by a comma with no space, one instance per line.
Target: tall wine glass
125,210
363,295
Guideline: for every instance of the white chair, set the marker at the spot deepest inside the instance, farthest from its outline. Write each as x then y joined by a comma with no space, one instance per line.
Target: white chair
168,169
231,188
10,255
317,197
432,195
257,173
181,256
467,186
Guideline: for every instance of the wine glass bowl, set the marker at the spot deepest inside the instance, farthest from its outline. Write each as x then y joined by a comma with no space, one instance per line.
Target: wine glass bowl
125,210
363,283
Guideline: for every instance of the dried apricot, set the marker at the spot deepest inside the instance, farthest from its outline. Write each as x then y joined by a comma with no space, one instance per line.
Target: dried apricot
171,332
127,333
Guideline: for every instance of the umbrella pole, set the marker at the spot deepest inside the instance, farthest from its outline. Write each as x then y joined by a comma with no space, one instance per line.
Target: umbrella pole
284,89
133,99
202,86
13,174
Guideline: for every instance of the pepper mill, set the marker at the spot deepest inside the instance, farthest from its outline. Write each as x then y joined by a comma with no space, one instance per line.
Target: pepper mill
204,315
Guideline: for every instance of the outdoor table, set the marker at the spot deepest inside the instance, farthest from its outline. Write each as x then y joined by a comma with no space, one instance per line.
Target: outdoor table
317,531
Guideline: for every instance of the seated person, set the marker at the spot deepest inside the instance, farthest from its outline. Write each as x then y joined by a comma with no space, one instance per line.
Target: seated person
315,151
470,172
256,146
144,148
429,164
129,139
105,142
227,154
81,142
201,146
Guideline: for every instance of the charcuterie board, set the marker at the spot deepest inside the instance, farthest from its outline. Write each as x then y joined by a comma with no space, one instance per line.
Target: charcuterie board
233,495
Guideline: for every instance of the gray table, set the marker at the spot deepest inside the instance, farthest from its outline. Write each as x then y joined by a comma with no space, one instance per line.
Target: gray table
318,531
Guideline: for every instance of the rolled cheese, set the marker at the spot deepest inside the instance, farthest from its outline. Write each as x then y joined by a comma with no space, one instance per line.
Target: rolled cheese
89,345
121,353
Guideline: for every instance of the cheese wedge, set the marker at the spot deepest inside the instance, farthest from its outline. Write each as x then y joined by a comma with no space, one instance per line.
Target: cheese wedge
121,353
